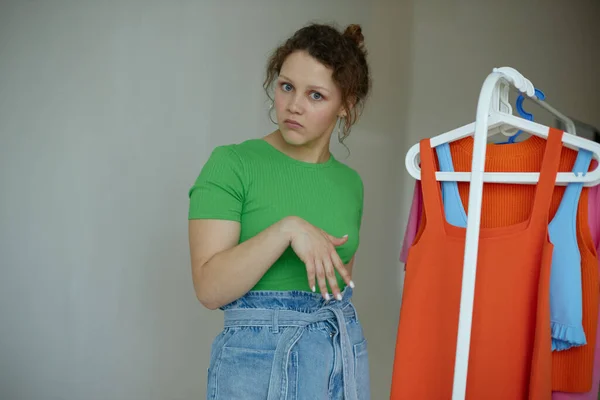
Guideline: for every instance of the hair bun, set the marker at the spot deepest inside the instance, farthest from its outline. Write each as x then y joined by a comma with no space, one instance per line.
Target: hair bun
354,32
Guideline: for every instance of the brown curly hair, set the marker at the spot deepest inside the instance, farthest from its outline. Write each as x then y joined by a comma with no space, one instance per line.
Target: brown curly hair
343,52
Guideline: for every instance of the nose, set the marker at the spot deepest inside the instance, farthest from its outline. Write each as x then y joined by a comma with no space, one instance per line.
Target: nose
295,105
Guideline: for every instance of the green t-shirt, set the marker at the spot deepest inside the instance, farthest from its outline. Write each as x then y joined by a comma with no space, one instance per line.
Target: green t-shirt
257,185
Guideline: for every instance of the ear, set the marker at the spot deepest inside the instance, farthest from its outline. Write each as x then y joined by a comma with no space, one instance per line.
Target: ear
343,113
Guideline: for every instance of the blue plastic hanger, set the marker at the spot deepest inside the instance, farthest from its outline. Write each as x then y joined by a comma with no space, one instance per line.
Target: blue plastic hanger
528,116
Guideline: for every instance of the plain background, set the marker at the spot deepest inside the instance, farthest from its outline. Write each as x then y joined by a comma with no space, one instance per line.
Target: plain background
108,110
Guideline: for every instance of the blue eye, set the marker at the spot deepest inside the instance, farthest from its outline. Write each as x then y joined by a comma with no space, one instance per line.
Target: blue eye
286,87
316,96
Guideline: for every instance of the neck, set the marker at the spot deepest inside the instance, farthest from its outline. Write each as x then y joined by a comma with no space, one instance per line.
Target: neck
313,152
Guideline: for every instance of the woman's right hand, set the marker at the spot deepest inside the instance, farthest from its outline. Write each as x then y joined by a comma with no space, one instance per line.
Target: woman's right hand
316,248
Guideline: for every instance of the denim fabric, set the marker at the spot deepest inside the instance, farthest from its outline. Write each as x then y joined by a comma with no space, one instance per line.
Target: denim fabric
289,345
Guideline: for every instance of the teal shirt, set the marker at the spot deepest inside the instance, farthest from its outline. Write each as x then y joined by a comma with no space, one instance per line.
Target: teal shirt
257,185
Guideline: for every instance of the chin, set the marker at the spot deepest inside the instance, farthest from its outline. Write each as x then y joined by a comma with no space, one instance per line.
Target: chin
293,137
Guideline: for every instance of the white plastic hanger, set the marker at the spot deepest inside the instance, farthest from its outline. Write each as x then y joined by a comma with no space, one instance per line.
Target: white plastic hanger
487,120
505,107
495,121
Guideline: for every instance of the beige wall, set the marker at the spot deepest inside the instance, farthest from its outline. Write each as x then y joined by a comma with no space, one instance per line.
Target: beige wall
455,44
109,109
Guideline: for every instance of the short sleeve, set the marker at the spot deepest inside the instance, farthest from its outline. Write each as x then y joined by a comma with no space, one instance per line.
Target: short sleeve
218,192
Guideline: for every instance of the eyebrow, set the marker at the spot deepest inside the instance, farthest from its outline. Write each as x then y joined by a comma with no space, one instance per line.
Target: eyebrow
310,86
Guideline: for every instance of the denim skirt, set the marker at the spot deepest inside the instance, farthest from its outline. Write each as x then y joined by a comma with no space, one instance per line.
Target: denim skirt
289,345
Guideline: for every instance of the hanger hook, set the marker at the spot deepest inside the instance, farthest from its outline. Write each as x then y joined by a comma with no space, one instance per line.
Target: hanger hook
528,116
538,93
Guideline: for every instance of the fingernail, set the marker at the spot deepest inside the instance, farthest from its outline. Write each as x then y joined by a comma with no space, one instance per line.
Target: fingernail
339,297
346,235
327,296
351,284
314,289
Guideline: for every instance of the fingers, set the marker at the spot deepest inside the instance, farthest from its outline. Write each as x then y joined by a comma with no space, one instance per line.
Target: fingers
321,267
311,272
337,241
325,274
321,279
341,268
331,278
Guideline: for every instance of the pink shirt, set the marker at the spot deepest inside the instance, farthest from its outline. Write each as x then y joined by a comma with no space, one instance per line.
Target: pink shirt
412,225
594,221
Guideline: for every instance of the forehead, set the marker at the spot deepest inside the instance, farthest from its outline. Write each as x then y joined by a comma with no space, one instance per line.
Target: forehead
303,69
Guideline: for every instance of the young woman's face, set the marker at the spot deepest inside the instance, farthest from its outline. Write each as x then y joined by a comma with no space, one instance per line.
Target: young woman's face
307,101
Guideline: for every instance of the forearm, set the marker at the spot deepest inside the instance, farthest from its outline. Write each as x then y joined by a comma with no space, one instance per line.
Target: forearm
230,274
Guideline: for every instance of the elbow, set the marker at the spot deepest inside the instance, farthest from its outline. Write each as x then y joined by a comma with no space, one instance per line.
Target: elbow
211,305
207,301
204,296
203,293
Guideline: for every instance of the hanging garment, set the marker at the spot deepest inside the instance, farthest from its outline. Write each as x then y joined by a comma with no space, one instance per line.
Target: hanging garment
565,277
594,224
413,225
593,202
507,204
566,304
414,220
572,369
510,353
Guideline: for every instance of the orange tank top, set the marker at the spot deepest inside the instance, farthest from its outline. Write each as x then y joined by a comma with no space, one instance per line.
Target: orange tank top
510,351
504,205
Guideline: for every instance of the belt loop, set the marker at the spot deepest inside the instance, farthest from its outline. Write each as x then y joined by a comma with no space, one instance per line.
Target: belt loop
275,321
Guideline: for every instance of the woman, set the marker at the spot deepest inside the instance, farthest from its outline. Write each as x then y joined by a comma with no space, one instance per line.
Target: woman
273,220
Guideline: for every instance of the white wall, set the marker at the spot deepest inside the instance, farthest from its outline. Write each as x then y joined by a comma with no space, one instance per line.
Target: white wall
107,112
456,44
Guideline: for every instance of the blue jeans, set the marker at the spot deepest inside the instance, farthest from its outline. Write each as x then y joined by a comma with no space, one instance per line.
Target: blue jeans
289,346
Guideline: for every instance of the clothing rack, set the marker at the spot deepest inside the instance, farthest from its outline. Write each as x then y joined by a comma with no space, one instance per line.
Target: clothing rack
493,97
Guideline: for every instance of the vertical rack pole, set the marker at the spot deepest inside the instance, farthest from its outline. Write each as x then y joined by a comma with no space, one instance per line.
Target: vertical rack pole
488,89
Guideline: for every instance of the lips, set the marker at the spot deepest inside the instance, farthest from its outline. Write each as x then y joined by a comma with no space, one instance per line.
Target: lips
292,123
